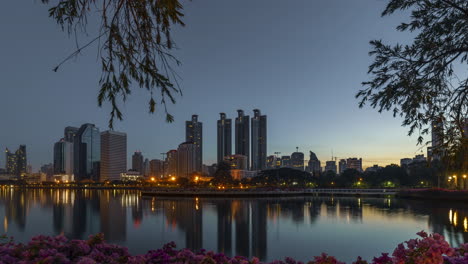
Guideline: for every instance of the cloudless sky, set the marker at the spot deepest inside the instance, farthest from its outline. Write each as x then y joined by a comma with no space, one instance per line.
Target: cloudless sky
300,62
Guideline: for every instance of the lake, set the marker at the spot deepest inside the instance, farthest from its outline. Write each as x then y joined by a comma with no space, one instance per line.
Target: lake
269,228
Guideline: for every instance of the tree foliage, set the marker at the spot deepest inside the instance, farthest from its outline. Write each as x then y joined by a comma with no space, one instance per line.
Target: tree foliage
425,82
134,45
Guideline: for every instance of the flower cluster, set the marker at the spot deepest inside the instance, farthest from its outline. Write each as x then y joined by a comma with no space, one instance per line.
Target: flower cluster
45,249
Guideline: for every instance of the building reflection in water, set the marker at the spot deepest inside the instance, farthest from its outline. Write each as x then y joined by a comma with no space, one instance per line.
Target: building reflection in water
239,226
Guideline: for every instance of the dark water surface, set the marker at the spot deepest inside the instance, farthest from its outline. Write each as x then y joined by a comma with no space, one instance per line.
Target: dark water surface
269,228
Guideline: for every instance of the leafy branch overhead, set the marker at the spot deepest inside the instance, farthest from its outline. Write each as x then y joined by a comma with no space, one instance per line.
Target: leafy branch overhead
425,82
134,46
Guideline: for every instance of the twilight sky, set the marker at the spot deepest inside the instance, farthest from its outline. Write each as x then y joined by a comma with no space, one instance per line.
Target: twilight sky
299,61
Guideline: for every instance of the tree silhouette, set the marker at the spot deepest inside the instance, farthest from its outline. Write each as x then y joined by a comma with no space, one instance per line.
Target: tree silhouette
134,45
419,81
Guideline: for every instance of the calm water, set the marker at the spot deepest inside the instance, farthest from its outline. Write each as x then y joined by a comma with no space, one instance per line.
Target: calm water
270,228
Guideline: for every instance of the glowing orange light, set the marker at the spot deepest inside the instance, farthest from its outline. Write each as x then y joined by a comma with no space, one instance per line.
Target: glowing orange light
153,179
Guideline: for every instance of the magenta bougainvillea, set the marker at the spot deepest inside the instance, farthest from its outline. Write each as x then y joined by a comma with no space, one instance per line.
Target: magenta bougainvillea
427,249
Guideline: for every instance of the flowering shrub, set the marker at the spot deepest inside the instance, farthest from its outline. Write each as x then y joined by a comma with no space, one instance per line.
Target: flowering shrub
427,249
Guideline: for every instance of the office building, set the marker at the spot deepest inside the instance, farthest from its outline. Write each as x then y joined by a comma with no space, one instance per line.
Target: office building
69,133
113,155
286,162
314,165
63,158
242,131
224,137
156,168
297,160
237,162
271,162
87,153
374,168
194,134
137,162
330,166
187,159
354,163
171,160
342,165
16,163
146,168
435,151
259,140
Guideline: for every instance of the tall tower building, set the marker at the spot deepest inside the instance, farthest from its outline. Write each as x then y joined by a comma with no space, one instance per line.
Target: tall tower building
330,166
297,160
314,165
137,162
113,155
69,133
194,133
342,165
63,158
186,159
224,137
171,160
87,153
17,163
259,140
243,135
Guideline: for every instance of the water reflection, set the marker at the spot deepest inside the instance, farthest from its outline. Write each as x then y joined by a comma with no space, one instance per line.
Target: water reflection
268,228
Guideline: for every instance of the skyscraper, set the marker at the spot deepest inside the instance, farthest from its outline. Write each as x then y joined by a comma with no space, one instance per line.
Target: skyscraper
113,155
171,160
87,153
137,162
342,165
330,166
259,140
435,151
63,158
224,137
16,163
297,160
354,163
314,165
186,159
156,168
146,168
69,133
194,134
286,162
243,135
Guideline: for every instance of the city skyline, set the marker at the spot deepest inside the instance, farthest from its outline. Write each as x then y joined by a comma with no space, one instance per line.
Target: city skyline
292,79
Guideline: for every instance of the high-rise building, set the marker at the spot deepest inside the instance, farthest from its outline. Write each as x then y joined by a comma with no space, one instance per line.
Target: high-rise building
186,159
237,162
297,160
354,163
137,162
156,168
243,135
314,165
342,165
286,162
259,140
435,151
113,155
194,134
146,168
271,162
63,158
69,133
16,163
224,137
330,166
171,160
87,153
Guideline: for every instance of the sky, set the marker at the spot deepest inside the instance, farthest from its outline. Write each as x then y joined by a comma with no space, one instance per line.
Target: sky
300,62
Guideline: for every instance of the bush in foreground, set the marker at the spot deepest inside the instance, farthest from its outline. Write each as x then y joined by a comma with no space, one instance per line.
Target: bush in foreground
45,249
